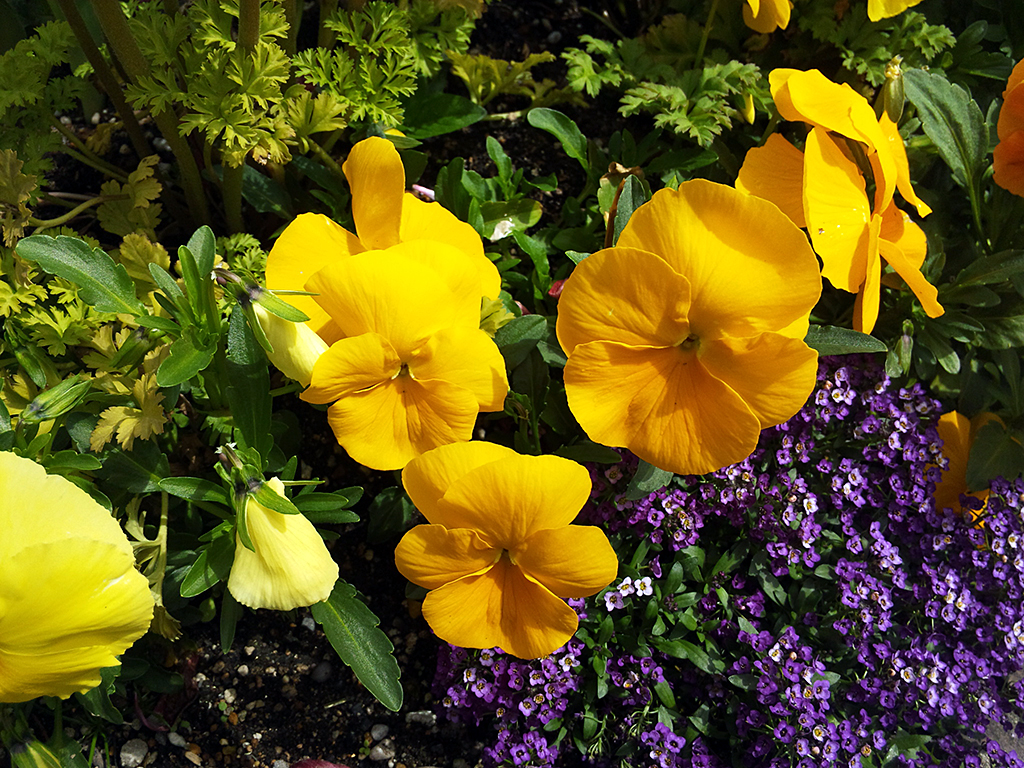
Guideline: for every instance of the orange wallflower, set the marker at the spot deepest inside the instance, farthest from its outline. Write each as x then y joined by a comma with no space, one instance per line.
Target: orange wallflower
1008,158
686,338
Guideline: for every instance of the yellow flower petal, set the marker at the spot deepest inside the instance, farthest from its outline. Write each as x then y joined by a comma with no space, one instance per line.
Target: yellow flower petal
955,431
501,607
377,179
837,211
865,307
766,16
291,566
926,292
602,299
427,477
467,357
387,426
743,279
884,9
296,346
509,500
351,365
68,607
574,561
897,228
1008,163
899,154
435,222
432,555
775,172
773,374
306,246
661,404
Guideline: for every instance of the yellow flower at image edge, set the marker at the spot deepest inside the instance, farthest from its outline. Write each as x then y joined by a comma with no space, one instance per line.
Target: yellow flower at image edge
291,566
685,340
499,551
71,599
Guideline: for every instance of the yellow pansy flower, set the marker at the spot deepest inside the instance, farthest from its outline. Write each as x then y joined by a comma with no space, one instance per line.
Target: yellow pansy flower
71,599
766,16
411,369
685,340
499,551
290,567
823,189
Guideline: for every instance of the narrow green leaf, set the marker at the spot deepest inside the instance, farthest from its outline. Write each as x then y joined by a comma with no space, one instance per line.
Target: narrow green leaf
832,340
195,489
270,499
647,480
212,566
101,283
517,338
562,128
352,630
187,358
203,245
230,613
589,452
248,390
633,195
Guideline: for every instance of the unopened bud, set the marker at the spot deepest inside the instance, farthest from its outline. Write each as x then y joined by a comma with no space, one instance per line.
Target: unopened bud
55,401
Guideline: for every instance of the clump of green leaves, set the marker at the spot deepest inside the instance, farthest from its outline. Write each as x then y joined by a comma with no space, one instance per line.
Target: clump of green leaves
488,78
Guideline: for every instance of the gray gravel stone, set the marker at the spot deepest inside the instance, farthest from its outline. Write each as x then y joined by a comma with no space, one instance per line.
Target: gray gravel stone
378,732
133,753
177,739
423,717
279,764
383,751
322,672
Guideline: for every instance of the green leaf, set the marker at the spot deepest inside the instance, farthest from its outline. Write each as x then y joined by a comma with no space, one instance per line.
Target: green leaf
832,340
953,121
439,113
996,452
248,391
159,324
230,613
140,470
992,269
517,338
212,566
102,283
187,358
271,499
589,452
326,508
684,649
203,246
264,193
633,195
647,480
195,489
352,630
97,700
389,515
512,216
562,128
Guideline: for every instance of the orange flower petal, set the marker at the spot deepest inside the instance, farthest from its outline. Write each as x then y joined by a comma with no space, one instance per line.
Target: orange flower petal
899,229
837,211
432,555
955,431
813,98
899,154
773,374
926,292
350,365
865,307
432,221
457,270
743,279
574,561
377,180
661,404
306,246
501,607
387,426
427,477
603,299
1008,163
511,499
765,16
467,357
884,9
775,172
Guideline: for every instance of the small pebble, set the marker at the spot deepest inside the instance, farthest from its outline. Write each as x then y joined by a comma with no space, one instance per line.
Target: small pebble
322,672
230,695
193,758
383,751
423,717
177,739
554,38
95,119
243,670
279,764
378,732
133,752
308,623
161,144
249,650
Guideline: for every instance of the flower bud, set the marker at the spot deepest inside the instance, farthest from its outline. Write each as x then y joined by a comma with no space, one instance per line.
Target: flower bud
55,401
296,347
34,754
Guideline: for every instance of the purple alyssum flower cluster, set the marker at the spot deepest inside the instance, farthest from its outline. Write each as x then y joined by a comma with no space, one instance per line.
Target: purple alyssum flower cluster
810,607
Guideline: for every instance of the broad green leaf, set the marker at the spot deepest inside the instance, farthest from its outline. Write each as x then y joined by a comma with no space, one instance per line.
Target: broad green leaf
248,390
589,452
953,121
102,283
65,461
518,337
832,340
562,128
501,219
352,630
633,195
212,566
264,193
97,700
389,515
996,452
647,480
187,358
991,269
139,470
439,113
203,245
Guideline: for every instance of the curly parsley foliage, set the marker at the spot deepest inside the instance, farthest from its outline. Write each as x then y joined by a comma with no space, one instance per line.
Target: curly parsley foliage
435,32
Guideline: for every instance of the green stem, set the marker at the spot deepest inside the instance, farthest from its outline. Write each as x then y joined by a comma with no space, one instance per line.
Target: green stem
706,34
327,160
293,15
41,224
126,48
248,38
325,37
85,154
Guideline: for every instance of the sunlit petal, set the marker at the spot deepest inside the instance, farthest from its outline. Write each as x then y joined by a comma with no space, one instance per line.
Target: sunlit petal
511,499
427,477
306,246
377,180
743,279
575,561
765,16
773,374
459,273
811,97
865,307
899,154
296,346
661,404
884,9
432,556
602,299
898,228
775,172
503,608
926,293
467,357
1008,163
351,365
386,426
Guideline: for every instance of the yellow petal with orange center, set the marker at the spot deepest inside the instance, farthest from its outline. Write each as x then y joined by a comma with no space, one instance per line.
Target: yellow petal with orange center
662,404
884,9
389,294
837,211
574,561
306,246
865,306
427,477
351,365
899,154
377,179
765,16
625,295
775,172
467,357
509,500
743,279
432,555
503,608
386,426
773,374
435,222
